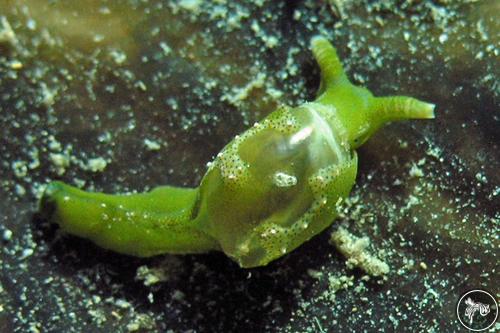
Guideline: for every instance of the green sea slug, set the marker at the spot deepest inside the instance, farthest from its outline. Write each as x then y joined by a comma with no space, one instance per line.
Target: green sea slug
268,191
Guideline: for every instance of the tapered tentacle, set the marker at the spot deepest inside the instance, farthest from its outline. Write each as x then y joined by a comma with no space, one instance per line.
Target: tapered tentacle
328,61
360,113
402,107
143,225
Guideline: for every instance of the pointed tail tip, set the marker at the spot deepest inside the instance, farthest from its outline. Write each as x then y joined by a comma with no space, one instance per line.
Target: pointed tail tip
318,40
427,111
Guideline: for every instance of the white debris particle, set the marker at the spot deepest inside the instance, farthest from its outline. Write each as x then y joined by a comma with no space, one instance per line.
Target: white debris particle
7,35
34,328
234,20
154,275
16,64
271,41
141,85
415,171
98,316
240,94
26,253
178,295
104,10
297,15
35,161
191,5
37,189
255,27
165,48
282,179
314,273
20,190
443,38
274,93
97,164
7,235
433,293
54,144
481,178
47,95
336,283
412,201
118,56
98,38
354,249
20,168
435,151
152,145
123,304
141,322
496,191
60,162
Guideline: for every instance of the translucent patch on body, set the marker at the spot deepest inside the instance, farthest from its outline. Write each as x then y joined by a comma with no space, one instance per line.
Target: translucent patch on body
233,168
276,240
279,183
325,119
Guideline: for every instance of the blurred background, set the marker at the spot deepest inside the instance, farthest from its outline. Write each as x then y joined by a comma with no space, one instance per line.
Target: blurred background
121,96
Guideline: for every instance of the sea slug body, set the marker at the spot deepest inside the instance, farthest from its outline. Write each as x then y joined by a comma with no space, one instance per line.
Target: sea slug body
268,191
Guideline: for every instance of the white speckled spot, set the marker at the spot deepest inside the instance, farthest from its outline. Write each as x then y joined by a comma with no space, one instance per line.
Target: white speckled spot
282,179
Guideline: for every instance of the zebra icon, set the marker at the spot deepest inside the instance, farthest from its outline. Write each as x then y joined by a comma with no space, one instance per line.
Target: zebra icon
477,310
473,307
